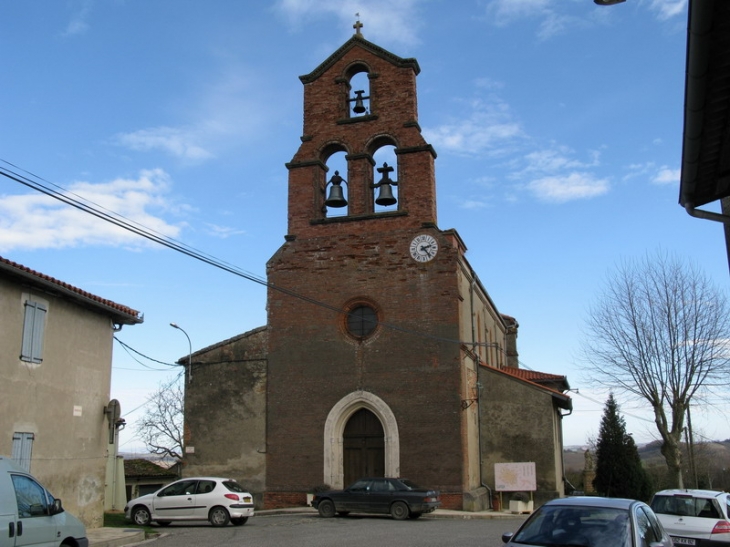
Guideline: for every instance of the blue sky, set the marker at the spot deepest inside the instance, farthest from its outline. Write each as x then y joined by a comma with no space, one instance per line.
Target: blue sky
557,125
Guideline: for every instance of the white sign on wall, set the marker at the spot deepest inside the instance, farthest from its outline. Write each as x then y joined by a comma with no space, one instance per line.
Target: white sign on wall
515,477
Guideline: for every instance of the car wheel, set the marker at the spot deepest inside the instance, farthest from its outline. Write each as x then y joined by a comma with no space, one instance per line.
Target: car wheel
240,521
399,510
414,515
218,516
163,522
141,516
326,509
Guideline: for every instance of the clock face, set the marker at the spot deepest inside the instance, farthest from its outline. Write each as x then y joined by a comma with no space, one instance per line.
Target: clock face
424,248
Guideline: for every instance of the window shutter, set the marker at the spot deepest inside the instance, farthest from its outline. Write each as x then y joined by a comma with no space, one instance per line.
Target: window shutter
22,448
33,327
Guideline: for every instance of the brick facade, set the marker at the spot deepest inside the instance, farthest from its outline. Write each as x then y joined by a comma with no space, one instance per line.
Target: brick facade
419,372
413,363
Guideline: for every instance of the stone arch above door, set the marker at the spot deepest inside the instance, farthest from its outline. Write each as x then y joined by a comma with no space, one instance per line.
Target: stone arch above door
335,426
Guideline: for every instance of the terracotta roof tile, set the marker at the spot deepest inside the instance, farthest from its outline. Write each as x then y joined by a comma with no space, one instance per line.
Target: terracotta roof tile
532,375
139,467
132,316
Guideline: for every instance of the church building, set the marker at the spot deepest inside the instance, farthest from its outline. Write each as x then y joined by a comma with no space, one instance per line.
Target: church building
383,353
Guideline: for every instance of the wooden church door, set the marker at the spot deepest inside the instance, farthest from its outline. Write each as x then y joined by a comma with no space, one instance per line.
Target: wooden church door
364,447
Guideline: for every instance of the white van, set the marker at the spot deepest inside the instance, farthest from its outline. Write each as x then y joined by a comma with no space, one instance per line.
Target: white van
30,515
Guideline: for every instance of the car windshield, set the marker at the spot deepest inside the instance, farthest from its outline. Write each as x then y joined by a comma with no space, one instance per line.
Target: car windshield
686,506
233,486
559,525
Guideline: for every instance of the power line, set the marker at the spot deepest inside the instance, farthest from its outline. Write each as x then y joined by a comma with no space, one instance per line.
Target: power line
46,187
131,350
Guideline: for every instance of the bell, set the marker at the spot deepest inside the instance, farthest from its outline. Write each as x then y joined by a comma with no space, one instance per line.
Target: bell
385,196
336,197
359,107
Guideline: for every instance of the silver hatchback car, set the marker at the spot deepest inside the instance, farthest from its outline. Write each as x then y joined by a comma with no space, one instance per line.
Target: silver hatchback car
217,500
694,517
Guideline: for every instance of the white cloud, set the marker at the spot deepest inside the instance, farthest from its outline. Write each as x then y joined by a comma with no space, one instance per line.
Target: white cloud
174,141
666,9
665,175
555,159
506,11
552,21
570,187
38,221
222,232
487,127
383,20
79,20
232,107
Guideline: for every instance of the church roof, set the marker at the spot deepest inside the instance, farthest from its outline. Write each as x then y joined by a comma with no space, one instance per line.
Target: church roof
541,380
122,314
533,375
358,41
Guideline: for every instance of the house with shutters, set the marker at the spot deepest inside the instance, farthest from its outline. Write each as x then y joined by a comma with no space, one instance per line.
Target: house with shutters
55,365
383,352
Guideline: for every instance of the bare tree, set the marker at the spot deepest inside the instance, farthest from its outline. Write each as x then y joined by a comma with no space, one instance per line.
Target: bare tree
161,427
659,333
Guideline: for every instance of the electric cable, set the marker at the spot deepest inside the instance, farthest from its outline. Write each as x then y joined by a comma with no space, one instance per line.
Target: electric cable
42,185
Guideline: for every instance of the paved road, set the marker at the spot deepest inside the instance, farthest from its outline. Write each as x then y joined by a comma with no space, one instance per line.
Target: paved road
354,531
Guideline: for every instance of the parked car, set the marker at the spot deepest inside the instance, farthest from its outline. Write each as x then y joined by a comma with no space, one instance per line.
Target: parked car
214,499
400,497
694,517
591,522
30,515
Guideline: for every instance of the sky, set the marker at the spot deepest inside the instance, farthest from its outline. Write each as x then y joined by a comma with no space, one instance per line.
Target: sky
557,126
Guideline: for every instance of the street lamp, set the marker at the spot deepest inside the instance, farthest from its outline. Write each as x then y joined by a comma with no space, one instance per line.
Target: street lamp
608,2
190,350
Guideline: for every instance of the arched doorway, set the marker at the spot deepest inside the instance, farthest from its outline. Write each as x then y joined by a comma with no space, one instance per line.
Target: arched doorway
364,447
334,429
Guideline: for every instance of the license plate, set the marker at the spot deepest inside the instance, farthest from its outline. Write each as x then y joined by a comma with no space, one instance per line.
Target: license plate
684,541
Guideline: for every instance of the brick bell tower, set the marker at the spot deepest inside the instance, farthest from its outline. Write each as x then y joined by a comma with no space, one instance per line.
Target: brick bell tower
365,371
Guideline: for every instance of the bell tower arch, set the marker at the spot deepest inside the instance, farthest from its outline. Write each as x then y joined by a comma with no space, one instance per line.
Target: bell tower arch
362,120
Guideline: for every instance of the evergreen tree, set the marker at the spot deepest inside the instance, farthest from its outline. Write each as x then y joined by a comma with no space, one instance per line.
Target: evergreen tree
619,472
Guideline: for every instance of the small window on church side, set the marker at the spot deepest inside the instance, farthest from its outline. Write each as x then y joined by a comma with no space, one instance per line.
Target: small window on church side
362,321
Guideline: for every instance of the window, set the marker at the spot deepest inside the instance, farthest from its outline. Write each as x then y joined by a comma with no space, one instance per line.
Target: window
181,488
647,531
361,321
205,487
22,448
30,496
33,326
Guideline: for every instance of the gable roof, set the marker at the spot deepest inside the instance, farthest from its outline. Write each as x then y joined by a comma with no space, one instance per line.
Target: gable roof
141,468
25,276
535,376
539,380
358,41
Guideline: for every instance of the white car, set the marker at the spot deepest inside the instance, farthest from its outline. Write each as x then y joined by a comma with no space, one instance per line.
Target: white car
214,499
694,517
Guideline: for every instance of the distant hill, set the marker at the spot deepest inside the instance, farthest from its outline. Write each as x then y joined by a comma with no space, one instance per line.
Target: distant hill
712,461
